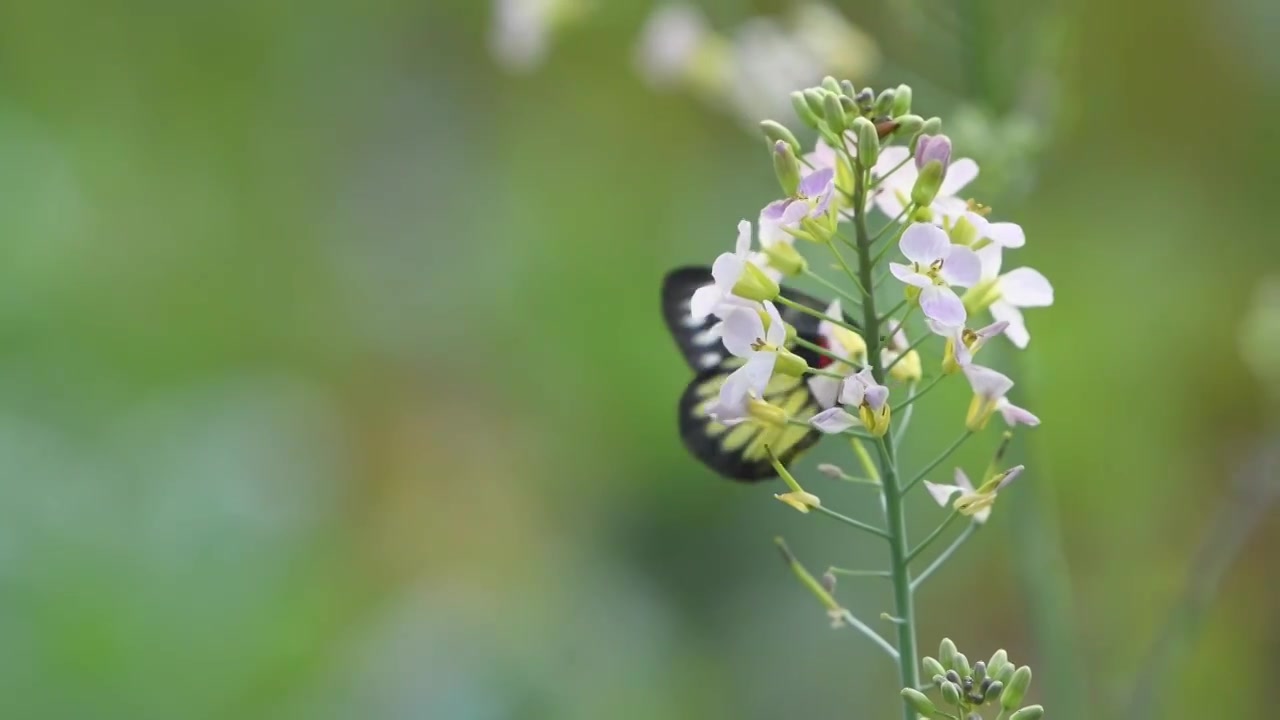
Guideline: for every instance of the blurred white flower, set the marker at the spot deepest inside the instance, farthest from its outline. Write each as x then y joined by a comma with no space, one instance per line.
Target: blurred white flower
522,29
669,43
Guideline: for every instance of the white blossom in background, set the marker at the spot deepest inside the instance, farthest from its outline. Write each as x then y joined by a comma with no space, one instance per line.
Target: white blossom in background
1260,334
670,41
521,32
728,269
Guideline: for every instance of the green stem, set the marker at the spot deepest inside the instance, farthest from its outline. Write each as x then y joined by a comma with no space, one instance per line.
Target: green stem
850,521
916,396
825,373
942,559
889,315
900,573
890,224
821,350
800,307
915,553
858,573
938,460
919,341
862,283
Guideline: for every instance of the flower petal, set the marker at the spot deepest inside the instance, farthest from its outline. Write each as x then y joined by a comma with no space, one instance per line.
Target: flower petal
962,480
852,391
704,301
825,389
876,396
727,271
987,383
962,267
924,243
961,173
990,257
731,406
776,335
1015,416
758,371
890,158
1016,327
1006,234
909,276
1025,287
942,494
741,330
743,245
943,329
833,420
1009,476
770,224
942,304
817,182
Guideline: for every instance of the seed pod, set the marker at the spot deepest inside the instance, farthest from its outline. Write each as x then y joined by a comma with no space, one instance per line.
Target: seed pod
833,113
902,101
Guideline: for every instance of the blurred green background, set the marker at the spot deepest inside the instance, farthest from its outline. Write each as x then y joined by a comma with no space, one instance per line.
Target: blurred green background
333,383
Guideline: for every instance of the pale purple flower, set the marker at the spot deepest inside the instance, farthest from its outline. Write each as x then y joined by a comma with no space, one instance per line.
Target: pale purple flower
1004,234
1014,415
857,391
833,420
745,336
1019,288
936,265
893,193
718,299
812,201
965,342
989,391
933,147
975,503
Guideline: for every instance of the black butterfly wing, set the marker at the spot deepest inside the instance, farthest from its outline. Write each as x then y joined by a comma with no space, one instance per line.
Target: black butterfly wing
736,452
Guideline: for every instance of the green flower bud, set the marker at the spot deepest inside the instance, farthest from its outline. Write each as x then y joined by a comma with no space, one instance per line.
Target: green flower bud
993,691
927,184
961,665
1030,712
1006,673
847,89
998,660
884,102
951,693
813,98
932,667
979,671
832,85
784,258
947,653
932,126
786,167
938,680
833,113
778,132
1016,688
868,141
865,98
919,702
953,676
803,111
909,126
902,101
849,106
756,285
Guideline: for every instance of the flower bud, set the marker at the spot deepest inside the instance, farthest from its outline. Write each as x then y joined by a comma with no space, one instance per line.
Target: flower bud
998,660
1006,673
947,653
1016,688
756,285
865,98
786,167
938,680
776,131
1030,712
813,98
884,102
784,258
849,106
830,84
953,676
829,582
799,499
803,111
919,702
832,471
868,141
833,113
964,232
901,101
932,126
933,147
979,671
932,667
909,126
875,421
928,183
789,363
951,693
847,89
961,665
993,691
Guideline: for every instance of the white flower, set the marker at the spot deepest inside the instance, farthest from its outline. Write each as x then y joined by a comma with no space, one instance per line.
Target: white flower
1006,294
935,266
728,269
1004,234
522,29
974,503
669,43
963,343
745,336
893,194
863,393
840,341
989,390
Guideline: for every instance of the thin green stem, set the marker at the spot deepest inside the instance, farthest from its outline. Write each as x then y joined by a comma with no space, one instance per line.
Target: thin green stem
892,170
820,350
900,573
894,242
862,286
903,421
858,573
887,316
865,527
824,373
942,559
832,286
919,394
865,459
938,460
879,234
801,307
915,553
918,342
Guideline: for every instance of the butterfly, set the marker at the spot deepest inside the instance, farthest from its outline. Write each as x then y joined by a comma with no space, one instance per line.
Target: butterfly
738,452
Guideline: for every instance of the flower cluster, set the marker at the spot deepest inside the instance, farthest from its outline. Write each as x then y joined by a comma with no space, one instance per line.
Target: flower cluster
968,688
879,199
